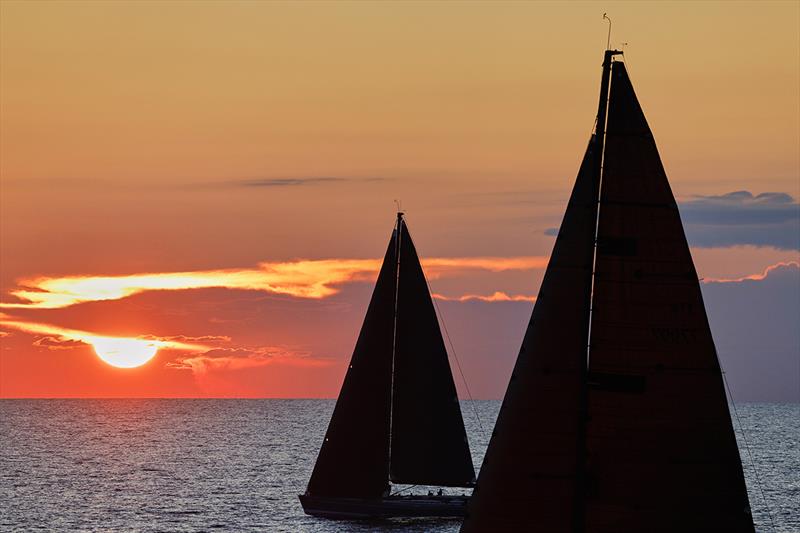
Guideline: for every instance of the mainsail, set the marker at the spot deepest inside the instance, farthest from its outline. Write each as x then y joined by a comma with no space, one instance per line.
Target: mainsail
654,443
353,460
397,417
662,452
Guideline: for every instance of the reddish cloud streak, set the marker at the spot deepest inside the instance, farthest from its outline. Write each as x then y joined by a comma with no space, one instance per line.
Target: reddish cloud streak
758,276
496,297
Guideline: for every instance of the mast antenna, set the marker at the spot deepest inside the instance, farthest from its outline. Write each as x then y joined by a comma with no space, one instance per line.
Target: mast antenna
399,208
608,41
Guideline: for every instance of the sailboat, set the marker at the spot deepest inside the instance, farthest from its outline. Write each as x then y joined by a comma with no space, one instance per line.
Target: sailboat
615,418
397,418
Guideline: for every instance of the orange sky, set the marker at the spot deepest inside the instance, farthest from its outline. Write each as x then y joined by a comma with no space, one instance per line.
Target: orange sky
175,139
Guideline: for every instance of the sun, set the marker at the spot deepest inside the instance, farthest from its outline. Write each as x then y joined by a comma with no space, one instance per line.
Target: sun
124,353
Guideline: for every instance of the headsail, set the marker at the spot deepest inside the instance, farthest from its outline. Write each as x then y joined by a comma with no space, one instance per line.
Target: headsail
662,452
530,473
353,461
428,442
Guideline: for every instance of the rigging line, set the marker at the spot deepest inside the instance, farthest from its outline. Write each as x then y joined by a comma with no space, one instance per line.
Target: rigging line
412,487
747,446
458,363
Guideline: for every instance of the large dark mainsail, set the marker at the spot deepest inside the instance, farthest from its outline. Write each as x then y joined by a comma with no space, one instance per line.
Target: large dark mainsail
428,443
645,414
662,451
397,417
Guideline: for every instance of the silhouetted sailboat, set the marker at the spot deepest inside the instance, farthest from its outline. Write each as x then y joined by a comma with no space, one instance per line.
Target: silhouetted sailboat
632,434
397,418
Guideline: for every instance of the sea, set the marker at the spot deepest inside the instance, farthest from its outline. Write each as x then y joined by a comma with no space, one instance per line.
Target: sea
238,465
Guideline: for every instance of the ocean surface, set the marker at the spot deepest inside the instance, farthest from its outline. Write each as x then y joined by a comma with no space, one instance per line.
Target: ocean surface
238,465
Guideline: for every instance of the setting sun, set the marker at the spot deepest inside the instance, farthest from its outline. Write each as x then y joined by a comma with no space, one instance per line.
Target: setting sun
124,353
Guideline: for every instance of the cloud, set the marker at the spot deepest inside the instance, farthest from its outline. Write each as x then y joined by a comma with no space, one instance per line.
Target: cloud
58,343
496,297
55,337
740,218
192,355
242,358
302,278
287,182
772,270
202,338
303,181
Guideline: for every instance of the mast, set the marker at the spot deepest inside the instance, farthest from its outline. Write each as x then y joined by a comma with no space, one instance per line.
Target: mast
602,108
597,171
398,237
533,473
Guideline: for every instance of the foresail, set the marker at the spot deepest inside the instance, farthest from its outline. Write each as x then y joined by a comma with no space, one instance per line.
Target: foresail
428,443
530,478
354,459
662,452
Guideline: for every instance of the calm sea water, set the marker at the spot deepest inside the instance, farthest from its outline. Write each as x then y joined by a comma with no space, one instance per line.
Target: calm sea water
238,465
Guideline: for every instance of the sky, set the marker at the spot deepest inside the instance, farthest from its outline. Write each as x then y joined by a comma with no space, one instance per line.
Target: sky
212,185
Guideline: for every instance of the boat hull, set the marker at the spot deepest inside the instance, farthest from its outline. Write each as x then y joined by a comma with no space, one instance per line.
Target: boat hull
390,507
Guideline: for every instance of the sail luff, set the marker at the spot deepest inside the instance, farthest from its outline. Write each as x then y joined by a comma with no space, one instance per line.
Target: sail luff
398,241
530,474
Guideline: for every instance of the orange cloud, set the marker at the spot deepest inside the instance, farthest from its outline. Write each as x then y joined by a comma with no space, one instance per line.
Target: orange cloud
755,277
496,297
55,337
57,343
444,266
302,278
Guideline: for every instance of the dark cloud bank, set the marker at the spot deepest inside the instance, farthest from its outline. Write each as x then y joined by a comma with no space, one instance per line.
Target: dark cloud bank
296,182
754,323
739,218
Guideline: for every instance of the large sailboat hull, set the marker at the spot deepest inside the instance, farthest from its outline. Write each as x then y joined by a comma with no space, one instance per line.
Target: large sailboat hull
390,507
